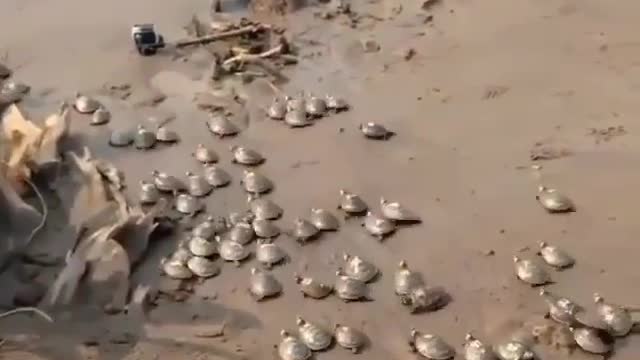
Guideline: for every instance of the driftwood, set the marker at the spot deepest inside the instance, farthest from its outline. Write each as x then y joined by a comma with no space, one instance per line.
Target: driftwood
221,36
244,57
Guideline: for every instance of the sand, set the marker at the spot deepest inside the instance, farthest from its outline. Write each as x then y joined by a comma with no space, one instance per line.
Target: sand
489,81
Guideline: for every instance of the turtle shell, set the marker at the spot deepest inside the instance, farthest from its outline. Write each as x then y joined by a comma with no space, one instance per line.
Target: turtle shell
265,228
144,139
241,232
182,254
359,269
221,126
336,103
200,246
405,279
316,107
232,251
264,209
166,135
188,204
205,155
167,183
554,201
530,272
256,183
110,172
11,87
324,220
297,118
291,348
85,104
121,138
208,228
374,131
303,230
315,337
149,194
277,109
263,285
5,72
216,176
555,256
618,320
176,269
593,341
313,288
349,338
197,185
240,217
397,212
423,298
100,117
203,267
352,203
475,349
561,309
245,156
269,254
378,226
432,346
514,350
296,103
349,289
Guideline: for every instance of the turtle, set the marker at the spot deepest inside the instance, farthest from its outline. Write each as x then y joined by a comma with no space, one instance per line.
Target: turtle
221,126
514,350
297,118
149,194
232,251
430,346
216,176
11,87
5,72
378,227
397,212
475,349
555,256
296,103
188,205
323,220
349,289
264,209
315,337
554,201
375,131
203,267
303,231
121,138
241,233
182,253
618,320
200,246
351,203
349,337
166,135
205,155
176,268
263,285
144,139
336,104
269,254
110,172
265,228
246,156
255,183
316,107
425,298
291,348
85,104
208,228
240,217
530,272
405,279
594,341
197,185
100,117
313,288
167,183
277,109
561,310
359,269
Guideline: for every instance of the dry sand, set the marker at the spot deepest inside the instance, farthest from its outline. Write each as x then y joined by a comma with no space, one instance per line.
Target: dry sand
555,69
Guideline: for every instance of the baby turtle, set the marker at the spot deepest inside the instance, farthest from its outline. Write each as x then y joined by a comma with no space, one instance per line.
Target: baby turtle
561,309
406,280
303,231
167,183
349,338
352,203
336,104
316,107
357,268
324,220
110,172
85,104
313,288
397,212
197,185
425,298
221,126
530,272
593,341
203,267
277,109
475,349
378,227
149,194
618,320
121,138
256,183
205,155
176,268
166,135
296,103
555,256
208,228
375,131
297,118
349,289
265,228
269,254
315,337
430,346
200,246
554,201
232,251
263,285
100,117
216,176
144,139
264,209
241,232
291,348
514,350
245,156
188,205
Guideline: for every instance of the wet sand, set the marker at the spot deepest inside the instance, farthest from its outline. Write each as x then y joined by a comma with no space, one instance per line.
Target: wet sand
560,68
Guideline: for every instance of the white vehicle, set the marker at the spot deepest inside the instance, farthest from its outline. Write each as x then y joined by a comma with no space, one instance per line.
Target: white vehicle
146,39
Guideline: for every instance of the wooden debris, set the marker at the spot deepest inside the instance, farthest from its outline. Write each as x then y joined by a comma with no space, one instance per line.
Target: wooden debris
221,36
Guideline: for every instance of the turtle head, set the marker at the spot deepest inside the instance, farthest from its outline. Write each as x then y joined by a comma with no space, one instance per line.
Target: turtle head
210,218
77,94
340,272
414,333
300,321
343,192
346,256
383,201
188,174
597,298
261,241
403,264
297,278
200,146
140,127
155,173
542,188
314,210
217,238
542,244
254,271
249,198
543,292
369,213
516,259
284,333
246,172
469,337
337,326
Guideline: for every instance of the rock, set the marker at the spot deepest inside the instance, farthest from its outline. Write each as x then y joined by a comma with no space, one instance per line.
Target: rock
370,46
